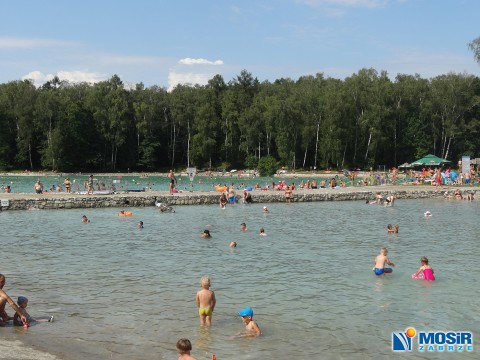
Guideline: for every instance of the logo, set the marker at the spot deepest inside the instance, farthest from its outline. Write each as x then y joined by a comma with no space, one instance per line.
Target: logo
402,341
443,341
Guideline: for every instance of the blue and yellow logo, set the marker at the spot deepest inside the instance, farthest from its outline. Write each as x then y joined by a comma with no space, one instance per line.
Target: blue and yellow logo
402,341
443,341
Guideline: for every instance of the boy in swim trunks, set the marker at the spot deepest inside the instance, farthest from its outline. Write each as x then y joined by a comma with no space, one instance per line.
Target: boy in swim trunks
22,304
206,301
380,262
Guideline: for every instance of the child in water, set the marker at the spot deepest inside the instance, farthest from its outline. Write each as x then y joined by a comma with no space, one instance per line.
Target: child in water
206,234
251,327
390,229
184,346
425,271
380,262
22,304
206,301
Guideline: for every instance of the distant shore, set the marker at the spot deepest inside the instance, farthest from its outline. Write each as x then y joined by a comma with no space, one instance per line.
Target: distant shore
236,173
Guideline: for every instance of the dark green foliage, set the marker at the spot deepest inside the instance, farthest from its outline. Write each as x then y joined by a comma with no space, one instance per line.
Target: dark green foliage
362,121
267,166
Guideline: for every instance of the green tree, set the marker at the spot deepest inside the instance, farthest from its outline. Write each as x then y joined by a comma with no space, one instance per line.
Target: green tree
20,100
475,47
110,107
267,166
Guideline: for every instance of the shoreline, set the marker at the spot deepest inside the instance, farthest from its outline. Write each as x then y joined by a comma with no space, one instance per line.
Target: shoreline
178,173
24,201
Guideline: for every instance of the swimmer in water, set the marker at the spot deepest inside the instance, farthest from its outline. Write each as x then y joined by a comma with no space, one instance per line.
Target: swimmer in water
425,271
206,301
184,346
140,224
262,232
85,220
233,244
206,234
22,304
251,327
380,262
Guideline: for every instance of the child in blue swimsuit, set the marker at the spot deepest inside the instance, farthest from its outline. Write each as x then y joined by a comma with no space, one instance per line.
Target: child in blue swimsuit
380,262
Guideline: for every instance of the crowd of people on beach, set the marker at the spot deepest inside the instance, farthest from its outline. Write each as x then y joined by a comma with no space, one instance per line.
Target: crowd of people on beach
435,176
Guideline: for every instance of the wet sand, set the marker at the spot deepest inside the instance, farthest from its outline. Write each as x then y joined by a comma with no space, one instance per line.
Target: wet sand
16,350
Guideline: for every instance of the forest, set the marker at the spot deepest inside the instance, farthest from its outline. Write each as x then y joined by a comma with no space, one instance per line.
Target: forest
318,122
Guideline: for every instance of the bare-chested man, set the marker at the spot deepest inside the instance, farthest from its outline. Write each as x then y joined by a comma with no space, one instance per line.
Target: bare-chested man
4,298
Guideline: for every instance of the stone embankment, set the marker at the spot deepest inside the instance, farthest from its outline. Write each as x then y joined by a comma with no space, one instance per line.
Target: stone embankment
74,201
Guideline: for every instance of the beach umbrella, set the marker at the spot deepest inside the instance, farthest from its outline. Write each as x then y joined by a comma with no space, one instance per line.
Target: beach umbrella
430,160
404,166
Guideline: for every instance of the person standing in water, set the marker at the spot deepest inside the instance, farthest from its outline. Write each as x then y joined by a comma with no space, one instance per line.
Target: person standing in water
173,180
206,302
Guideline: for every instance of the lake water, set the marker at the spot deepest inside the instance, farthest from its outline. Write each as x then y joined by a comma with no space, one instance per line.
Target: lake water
24,184
119,292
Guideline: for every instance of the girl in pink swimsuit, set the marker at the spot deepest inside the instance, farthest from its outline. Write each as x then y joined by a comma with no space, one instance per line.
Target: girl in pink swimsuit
425,271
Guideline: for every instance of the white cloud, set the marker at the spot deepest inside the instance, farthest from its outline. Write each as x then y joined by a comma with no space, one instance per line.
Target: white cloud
39,78
197,73
175,78
29,43
190,61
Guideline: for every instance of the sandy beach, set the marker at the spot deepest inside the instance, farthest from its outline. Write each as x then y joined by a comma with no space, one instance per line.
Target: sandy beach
16,350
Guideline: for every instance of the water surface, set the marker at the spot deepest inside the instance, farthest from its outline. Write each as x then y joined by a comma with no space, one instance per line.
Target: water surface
120,292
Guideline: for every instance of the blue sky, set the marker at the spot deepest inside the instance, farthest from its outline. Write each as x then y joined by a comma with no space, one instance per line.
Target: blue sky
160,42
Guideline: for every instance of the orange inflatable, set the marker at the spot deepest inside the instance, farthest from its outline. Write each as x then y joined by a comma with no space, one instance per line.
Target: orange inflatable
221,188
125,213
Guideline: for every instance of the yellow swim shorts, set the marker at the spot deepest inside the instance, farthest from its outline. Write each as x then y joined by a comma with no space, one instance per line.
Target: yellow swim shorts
206,311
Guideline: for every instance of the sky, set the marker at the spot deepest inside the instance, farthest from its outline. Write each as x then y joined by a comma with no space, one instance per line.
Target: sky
165,43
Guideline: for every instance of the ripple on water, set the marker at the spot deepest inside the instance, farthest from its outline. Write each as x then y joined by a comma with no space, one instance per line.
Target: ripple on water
122,292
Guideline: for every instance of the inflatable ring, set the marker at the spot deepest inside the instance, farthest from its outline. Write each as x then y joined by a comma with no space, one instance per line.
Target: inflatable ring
125,213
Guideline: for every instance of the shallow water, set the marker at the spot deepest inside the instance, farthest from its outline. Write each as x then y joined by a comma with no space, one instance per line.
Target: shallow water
120,292
24,184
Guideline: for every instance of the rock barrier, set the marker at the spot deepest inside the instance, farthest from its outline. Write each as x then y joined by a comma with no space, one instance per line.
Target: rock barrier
73,201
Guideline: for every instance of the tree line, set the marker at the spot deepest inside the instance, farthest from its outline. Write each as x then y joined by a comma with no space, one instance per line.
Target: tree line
312,122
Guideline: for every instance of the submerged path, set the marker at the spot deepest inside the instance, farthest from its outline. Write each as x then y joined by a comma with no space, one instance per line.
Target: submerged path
143,199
